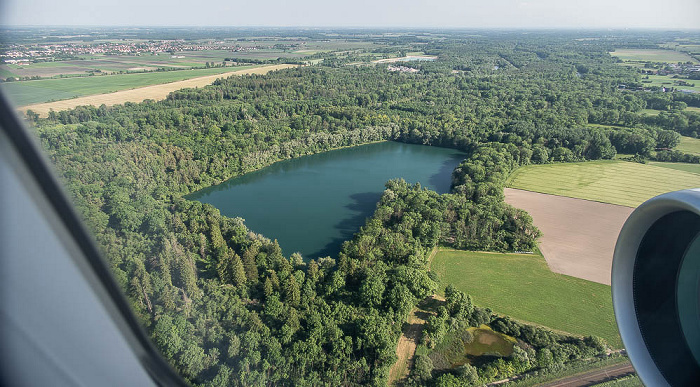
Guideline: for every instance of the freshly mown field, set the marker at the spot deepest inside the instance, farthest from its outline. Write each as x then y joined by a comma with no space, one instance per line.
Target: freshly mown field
689,145
610,181
522,286
652,55
29,92
692,168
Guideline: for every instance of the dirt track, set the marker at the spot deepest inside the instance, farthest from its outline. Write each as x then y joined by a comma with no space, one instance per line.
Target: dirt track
578,235
156,92
406,348
412,332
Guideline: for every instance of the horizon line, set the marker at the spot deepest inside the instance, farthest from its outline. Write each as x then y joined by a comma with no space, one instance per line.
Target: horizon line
375,27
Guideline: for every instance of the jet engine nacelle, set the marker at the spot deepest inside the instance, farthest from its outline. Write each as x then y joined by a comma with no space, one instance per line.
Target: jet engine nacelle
656,289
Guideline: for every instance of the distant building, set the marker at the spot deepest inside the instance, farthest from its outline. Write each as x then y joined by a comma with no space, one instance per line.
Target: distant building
402,69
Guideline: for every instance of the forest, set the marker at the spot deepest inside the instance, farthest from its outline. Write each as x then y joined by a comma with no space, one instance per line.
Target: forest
226,307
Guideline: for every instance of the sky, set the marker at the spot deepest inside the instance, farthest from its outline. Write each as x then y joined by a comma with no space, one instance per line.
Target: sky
635,14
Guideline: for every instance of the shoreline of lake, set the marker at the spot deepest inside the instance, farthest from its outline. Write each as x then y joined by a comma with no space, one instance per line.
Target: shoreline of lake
313,203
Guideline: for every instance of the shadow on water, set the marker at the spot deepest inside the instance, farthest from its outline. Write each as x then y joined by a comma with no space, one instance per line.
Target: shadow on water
363,205
442,179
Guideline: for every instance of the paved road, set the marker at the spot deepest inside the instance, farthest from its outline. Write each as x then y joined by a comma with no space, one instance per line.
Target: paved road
593,377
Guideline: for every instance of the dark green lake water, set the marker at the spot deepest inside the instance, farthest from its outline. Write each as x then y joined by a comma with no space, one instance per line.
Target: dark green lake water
314,203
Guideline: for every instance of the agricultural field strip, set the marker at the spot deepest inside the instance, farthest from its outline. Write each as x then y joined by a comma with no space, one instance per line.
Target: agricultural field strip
652,55
39,91
689,145
690,168
615,182
155,92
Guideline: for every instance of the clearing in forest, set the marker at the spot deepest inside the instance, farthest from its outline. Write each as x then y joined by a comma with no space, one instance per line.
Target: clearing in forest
410,337
155,92
578,236
407,59
523,287
667,81
607,181
689,145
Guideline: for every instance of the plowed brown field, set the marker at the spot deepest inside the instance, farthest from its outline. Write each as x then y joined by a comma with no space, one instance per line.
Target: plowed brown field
578,236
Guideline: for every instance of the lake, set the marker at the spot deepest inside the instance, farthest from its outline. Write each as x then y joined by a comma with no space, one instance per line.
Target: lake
312,204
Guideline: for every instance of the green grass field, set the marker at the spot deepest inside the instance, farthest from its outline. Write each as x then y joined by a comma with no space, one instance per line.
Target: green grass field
5,72
30,92
689,145
40,65
522,286
652,55
609,181
650,112
692,168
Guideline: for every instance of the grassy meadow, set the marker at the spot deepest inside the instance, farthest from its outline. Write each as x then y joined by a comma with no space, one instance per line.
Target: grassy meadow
608,181
689,145
30,92
652,55
650,112
522,286
686,167
667,81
